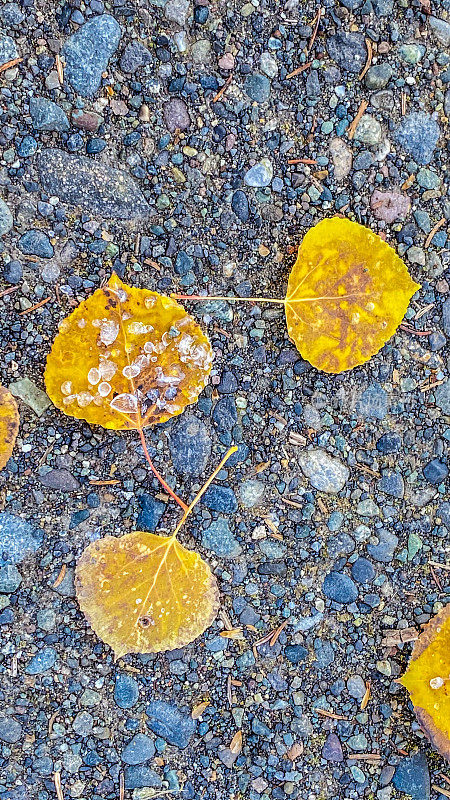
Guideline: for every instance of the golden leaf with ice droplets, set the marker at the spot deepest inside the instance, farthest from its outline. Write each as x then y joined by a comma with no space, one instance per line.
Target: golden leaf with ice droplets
427,680
9,425
127,358
144,593
348,291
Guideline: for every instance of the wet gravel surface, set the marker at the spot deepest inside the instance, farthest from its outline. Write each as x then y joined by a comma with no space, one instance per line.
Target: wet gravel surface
159,138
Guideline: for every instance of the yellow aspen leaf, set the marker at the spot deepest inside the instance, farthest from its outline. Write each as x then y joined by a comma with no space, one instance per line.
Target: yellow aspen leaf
144,593
427,680
126,358
347,293
9,425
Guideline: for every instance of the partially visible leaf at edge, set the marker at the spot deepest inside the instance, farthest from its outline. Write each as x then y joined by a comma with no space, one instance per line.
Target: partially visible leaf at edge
9,425
348,291
427,680
144,593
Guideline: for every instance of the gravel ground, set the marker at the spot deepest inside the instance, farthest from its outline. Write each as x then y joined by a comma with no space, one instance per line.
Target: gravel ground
155,137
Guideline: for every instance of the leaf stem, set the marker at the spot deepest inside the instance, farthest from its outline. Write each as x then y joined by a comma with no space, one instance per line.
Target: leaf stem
230,299
202,491
160,477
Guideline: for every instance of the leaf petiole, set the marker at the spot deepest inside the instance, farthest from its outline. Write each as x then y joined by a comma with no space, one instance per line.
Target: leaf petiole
235,299
163,483
202,491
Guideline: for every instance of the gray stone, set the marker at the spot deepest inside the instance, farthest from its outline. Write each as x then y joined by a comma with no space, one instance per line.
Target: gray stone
8,49
177,11
190,446
348,50
31,395
10,579
201,51
326,473
412,777
43,660
383,551
10,730
135,56
383,8
140,777
219,538
373,403
340,588
257,87
60,479
169,722
342,158
441,30
17,538
268,65
87,52
411,53
356,687
260,174
176,115
368,131
392,483
47,116
390,206
92,186
139,750
11,14
251,492
378,76
83,723
332,749
126,691
36,243
442,397
6,218
418,134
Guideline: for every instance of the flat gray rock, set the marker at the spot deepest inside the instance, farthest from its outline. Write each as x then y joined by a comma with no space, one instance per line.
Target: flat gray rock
87,53
6,218
326,473
47,116
92,186
17,538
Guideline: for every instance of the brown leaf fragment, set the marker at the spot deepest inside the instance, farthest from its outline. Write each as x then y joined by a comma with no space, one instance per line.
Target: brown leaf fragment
392,638
366,697
60,577
295,751
198,710
236,743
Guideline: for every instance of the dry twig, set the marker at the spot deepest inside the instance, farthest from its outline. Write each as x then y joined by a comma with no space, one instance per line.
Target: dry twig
35,307
223,89
433,231
369,59
10,64
57,782
353,125
299,70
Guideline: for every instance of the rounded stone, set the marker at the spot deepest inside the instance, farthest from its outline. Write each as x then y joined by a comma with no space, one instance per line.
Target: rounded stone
139,750
340,588
126,691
